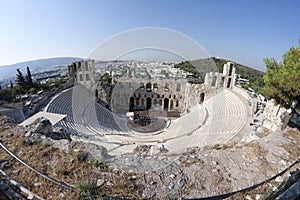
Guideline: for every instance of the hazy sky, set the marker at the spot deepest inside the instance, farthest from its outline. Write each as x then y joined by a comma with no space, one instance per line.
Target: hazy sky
242,31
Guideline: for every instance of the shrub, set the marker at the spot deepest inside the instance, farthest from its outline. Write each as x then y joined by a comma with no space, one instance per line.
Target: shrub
82,156
96,163
61,170
87,190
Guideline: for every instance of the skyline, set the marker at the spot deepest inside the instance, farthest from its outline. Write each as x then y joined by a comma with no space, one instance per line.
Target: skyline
243,32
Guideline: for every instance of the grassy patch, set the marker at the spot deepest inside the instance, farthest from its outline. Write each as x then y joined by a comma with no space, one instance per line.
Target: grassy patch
81,156
96,163
88,190
61,170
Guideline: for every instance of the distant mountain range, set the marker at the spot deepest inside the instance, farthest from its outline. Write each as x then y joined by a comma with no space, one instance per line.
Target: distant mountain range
8,71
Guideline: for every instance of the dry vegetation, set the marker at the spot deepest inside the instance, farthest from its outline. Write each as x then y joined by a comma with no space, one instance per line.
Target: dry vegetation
74,169
95,180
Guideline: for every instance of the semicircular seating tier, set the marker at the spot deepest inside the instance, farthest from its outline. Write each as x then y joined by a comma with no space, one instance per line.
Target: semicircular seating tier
85,117
227,116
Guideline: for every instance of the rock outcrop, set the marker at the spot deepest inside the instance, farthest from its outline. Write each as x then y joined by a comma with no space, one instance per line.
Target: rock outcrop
43,127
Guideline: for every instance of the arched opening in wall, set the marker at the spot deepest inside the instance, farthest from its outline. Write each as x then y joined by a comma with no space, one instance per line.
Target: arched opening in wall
178,87
80,77
87,78
142,87
137,102
171,104
142,102
177,103
214,81
202,95
86,66
160,102
166,103
74,67
148,87
154,101
167,87
230,69
131,104
148,103
229,83
222,82
155,87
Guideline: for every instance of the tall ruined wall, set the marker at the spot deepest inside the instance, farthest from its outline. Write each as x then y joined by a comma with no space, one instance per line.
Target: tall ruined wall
140,94
83,72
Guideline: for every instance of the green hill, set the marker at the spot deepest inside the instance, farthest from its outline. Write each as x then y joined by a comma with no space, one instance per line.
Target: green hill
198,68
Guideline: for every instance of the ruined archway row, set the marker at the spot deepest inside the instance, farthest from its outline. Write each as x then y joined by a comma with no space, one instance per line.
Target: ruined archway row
142,95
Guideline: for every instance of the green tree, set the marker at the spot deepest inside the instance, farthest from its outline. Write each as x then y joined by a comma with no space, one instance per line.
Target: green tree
282,80
29,78
6,94
21,80
11,84
106,78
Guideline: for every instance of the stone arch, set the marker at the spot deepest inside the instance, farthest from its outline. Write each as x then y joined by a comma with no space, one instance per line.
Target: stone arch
230,69
222,81
177,103
202,96
228,82
178,87
166,103
148,103
142,86
167,86
160,102
148,87
171,104
87,77
155,86
142,102
131,104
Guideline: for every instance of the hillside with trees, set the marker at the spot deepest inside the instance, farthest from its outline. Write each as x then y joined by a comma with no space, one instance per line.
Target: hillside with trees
201,66
24,84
